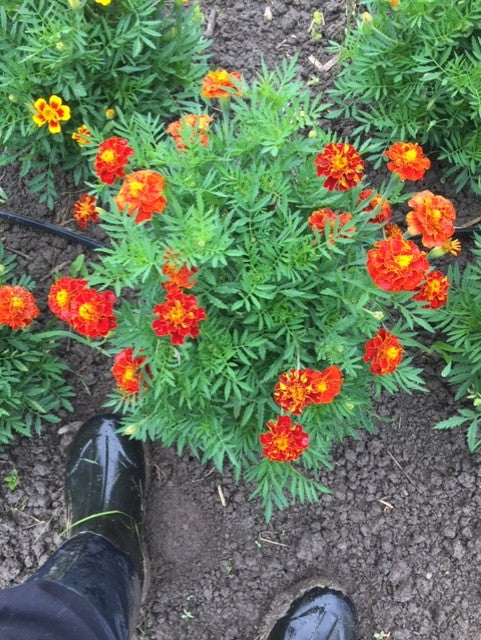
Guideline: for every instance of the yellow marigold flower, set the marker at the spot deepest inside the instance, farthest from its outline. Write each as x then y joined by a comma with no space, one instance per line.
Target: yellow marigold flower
110,113
104,3
51,113
452,246
82,135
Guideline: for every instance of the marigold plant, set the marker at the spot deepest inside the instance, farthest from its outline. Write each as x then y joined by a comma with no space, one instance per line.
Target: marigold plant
248,309
412,72
65,71
32,378
458,322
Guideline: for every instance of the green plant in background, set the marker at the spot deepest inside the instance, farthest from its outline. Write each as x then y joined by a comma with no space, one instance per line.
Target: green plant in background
413,71
460,322
67,64
32,379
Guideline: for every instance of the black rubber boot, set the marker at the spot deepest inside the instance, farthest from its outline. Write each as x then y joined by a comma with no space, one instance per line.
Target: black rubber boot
104,560
319,614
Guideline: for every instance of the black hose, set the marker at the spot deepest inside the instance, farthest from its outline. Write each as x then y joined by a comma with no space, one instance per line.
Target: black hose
51,228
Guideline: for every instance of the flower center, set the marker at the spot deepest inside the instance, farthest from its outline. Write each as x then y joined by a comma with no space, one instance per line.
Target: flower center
86,311
392,353
62,298
177,314
404,261
135,188
282,442
49,113
339,163
17,303
130,373
434,287
322,387
410,155
108,155
435,214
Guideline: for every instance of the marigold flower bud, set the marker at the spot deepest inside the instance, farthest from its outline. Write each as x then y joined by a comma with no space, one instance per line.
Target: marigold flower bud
12,98
60,46
74,4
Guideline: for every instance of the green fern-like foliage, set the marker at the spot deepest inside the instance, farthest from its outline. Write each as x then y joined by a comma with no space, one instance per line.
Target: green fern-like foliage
32,378
414,73
460,321
134,55
277,296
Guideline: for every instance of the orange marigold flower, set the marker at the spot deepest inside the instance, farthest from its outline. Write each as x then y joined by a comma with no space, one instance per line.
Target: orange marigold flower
221,84
84,210
394,3
326,385
384,352
179,277
397,264
92,313
112,158
110,113
434,290
51,113
17,306
431,217
318,220
376,202
61,295
190,127
391,229
341,164
127,372
178,317
294,390
284,440
142,192
407,160
82,135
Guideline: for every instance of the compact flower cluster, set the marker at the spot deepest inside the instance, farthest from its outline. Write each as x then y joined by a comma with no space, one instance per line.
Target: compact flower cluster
88,311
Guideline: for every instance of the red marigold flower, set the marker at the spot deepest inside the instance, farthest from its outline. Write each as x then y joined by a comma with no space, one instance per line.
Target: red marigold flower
397,264
195,126
82,135
284,440
126,371
384,352
221,84
111,159
407,160
434,290
376,202
294,390
179,317
142,192
318,220
179,277
326,385
432,217
61,295
342,165
17,306
92,313
84,210
51,113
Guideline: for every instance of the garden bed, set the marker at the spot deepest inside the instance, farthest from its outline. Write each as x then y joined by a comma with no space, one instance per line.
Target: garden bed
401,530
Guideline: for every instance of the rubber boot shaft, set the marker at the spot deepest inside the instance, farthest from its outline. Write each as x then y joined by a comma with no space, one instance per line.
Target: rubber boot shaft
93,568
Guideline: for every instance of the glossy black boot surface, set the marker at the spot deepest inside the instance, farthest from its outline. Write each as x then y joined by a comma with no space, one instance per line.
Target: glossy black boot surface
319,614
104,486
